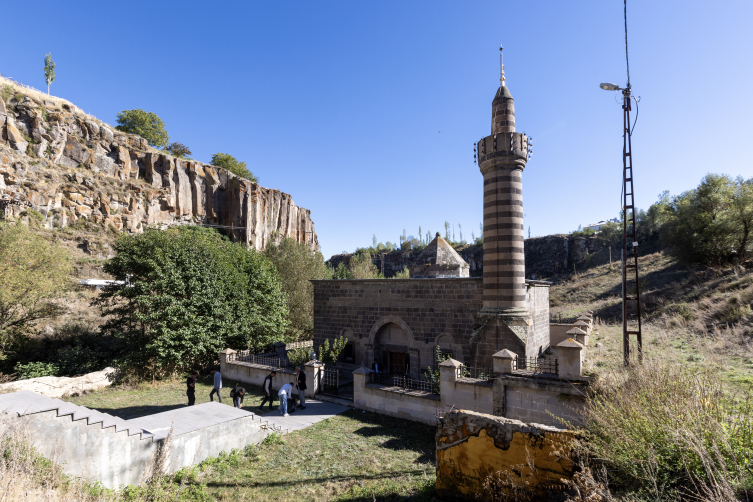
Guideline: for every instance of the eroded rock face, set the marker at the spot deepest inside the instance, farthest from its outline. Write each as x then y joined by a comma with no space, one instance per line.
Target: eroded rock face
78,167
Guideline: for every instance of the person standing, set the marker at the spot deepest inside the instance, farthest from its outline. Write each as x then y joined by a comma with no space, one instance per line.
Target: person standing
217,386
269,394
191,387
237,394
285,392
301,377
376,367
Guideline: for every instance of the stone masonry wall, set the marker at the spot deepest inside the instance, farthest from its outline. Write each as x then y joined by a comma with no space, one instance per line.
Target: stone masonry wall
69,166
430,312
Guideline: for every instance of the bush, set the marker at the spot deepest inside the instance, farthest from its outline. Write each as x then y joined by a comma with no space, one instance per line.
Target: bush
663,430
35,369
227,161
178,150
190,294
146,124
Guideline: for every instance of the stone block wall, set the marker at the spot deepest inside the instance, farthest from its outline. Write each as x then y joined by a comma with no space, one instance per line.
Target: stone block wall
410,405
538,400
472,446
429,312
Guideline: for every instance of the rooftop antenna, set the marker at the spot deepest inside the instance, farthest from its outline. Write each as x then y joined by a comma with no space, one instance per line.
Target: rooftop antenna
501,68
631,296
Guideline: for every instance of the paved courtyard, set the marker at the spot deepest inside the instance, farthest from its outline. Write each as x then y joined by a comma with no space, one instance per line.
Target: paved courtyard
315,412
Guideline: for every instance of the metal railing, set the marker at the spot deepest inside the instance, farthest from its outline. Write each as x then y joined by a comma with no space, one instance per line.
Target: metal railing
473,372
401,382
536,365
263,360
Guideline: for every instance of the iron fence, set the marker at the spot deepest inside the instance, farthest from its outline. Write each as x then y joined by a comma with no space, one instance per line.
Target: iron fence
536,365
474,372
402,382
263,360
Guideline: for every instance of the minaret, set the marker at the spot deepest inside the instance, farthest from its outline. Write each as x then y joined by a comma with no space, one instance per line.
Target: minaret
502,158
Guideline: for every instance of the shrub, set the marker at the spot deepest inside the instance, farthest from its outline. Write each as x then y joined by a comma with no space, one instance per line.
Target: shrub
35,369
299,357
146,124
178,150
227,161
662,429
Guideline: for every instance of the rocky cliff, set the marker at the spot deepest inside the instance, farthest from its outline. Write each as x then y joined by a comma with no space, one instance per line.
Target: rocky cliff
69,166
545,256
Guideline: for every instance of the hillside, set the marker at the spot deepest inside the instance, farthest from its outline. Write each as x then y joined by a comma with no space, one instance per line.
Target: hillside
699,316
73,170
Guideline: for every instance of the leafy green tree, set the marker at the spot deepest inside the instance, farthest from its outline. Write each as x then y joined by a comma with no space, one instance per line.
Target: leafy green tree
49,71
178,150
190,293
341,272
34,273
227,161
297,265
362,267
146,124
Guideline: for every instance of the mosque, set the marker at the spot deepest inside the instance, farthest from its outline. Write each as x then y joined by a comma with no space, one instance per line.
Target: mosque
401,322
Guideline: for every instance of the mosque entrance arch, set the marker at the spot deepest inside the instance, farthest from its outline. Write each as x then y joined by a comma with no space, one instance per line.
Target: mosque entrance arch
391,349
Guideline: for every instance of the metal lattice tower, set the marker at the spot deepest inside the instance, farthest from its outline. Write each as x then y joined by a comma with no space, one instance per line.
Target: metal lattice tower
631,294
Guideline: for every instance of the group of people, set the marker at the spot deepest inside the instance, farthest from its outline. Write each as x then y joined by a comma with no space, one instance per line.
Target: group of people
285,394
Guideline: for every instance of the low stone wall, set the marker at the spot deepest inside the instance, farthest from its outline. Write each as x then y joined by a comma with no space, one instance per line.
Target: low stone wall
538,400
411,405
57,387
470,447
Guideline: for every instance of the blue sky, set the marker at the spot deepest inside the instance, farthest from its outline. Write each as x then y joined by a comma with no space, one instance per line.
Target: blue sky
366,112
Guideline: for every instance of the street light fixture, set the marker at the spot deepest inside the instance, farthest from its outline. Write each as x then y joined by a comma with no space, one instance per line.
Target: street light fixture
607,86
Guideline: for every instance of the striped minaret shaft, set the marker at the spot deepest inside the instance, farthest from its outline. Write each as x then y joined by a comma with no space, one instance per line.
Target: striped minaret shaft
502,158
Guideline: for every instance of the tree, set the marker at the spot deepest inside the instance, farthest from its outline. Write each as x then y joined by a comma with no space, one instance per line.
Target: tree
178,150
742,214
146,124
297,265
227,161
189,293
447,230
33,274
49,71
362,267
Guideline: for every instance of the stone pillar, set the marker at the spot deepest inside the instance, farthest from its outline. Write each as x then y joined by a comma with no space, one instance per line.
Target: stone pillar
569,359
448,371
576,334
312,376
359,384
504,361
223,359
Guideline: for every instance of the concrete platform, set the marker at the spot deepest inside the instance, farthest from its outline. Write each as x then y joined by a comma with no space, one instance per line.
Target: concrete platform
315,412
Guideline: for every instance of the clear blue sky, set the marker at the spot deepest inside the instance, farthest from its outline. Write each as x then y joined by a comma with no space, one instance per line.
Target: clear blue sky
341,104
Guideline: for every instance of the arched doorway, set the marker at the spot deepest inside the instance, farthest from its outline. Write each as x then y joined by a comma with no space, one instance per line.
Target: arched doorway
391,349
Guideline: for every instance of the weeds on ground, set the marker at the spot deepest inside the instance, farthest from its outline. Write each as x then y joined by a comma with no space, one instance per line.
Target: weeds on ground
665,432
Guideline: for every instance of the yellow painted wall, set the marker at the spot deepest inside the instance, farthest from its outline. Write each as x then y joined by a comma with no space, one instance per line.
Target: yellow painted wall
468,454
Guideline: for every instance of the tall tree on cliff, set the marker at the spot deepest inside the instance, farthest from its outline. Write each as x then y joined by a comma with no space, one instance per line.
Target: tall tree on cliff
49,71
227,161
146,124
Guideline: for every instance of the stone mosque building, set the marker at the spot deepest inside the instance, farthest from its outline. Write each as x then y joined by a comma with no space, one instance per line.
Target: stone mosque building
400,322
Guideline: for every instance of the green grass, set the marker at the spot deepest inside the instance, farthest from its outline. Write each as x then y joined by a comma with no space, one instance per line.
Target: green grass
355,456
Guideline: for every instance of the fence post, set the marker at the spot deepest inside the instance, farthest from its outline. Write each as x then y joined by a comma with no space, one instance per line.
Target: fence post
359,384
448,371
569,360
503,361
224,356
312,375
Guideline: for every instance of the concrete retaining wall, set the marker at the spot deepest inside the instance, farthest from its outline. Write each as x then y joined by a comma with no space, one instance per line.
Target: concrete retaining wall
538,400
410,405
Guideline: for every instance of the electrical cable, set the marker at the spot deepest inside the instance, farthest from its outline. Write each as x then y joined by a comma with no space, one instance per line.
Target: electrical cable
636,114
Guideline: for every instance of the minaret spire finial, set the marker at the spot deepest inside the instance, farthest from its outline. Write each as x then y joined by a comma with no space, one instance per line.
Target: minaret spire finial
501,68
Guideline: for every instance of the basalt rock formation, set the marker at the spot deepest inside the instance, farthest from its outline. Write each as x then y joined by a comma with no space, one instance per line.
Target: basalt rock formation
67,165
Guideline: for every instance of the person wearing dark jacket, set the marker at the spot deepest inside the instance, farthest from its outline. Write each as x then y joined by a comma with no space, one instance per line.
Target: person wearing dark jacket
191,387
376,367
301,379
237,394
269,394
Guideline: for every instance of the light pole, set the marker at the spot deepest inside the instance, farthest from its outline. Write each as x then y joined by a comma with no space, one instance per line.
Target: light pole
631,297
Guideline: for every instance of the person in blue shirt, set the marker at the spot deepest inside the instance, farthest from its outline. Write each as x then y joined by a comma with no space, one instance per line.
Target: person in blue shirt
217,386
